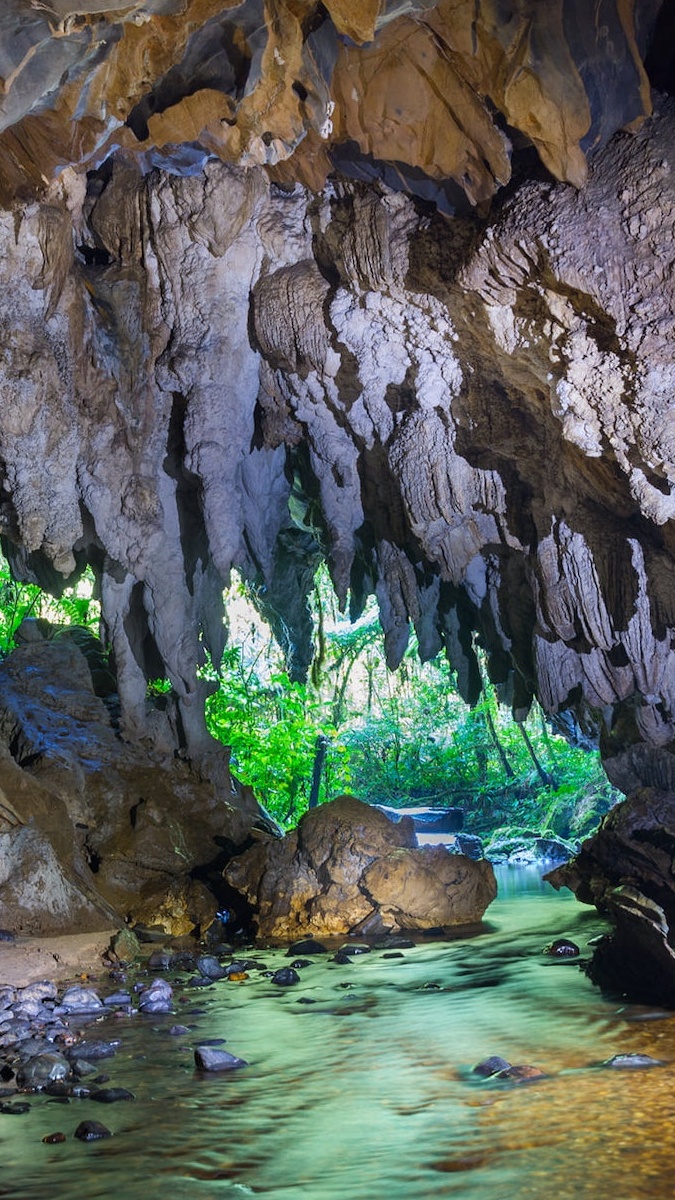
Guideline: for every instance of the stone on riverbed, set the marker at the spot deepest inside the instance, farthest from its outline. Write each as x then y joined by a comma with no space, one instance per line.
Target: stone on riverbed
561,948
157,998
306,946
490,1066
93,1050
210,968
632,1062
112,1095
91,1131
285,977
34,1074
347,866
207,1058
81,1000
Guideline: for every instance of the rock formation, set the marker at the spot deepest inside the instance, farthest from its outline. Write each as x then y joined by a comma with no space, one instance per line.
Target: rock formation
95,832
262,301
348,869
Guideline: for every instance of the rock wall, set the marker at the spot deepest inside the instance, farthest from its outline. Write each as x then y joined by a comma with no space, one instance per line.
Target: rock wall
468,419
95,832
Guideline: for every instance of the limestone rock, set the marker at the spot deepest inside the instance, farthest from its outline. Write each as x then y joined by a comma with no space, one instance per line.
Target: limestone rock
345,865
426,887
93,830
625,870
299,88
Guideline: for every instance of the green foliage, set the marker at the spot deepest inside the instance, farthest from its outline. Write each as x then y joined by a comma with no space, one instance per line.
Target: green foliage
271,726
76,606
394,738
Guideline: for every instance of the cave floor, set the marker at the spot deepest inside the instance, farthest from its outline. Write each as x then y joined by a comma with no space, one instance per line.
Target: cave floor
360,1086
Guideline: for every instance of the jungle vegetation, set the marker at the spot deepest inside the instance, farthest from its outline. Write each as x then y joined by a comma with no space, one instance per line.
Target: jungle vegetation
397,738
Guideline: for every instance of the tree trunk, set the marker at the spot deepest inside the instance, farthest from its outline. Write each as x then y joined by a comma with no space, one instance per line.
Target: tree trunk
547,780
320,751
508,769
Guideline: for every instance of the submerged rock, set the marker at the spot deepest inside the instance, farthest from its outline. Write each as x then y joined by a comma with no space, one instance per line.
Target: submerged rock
306,946
632,1062
208,1058
93,1050
91,1131
491,1066
210,968
285,977
520,1073
561,948
111,1095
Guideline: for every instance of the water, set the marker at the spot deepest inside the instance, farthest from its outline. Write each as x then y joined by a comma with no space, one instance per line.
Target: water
367,1094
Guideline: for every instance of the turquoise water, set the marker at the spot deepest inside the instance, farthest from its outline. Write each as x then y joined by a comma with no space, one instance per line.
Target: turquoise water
367,1093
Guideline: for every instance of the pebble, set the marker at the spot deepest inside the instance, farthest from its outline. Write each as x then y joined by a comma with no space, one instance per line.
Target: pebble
14,1110
208,1058
58,1088
117,998
93,1050
157,997
562,948
490,1066
394,954
53,1139
80,1000
306,946
285,977
354,948
209,966
43,1069
112,1095
159,960
91,1131
299,964
632,1062
43,990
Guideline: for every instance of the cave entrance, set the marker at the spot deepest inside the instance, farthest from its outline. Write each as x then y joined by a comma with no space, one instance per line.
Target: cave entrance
402,739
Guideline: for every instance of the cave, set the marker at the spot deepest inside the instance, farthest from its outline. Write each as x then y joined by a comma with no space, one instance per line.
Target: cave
387,285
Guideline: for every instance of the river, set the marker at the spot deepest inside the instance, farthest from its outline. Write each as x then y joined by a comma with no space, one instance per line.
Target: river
367,1093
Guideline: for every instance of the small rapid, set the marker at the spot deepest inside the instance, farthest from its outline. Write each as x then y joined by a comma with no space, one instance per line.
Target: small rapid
359,1084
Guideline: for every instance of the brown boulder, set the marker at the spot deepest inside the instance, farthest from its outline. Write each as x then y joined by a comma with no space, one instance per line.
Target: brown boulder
428,886
347,866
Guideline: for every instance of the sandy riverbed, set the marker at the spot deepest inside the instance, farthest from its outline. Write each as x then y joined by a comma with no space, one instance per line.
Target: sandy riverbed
29,959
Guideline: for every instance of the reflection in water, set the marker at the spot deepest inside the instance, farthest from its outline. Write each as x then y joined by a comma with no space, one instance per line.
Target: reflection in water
366,1093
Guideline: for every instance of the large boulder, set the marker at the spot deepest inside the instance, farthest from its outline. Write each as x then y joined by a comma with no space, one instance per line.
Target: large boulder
347,868
626,870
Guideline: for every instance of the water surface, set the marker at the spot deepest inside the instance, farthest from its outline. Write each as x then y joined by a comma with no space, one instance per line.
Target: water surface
367,1094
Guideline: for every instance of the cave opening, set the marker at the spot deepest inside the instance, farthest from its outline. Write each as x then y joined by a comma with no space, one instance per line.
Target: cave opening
387,286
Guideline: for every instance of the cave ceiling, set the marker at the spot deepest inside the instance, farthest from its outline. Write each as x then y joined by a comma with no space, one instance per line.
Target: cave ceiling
388,283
